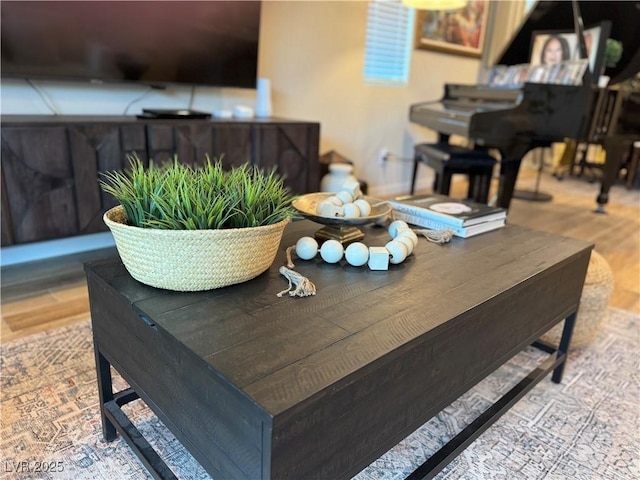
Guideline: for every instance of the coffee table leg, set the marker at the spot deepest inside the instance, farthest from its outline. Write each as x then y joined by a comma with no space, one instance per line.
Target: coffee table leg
563,348
105,394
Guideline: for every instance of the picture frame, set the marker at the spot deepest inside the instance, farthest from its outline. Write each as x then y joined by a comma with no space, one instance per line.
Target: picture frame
567,48
459,32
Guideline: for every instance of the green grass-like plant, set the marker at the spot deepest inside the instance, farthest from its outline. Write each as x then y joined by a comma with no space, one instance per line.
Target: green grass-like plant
177,196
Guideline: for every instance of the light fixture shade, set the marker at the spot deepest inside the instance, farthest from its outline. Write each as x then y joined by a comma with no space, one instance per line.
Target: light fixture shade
434,4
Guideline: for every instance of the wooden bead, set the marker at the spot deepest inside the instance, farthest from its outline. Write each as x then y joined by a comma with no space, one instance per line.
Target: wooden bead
306,248
397,251
357,254
364,206
346,197
330,210
395,225
407,232
378,258
351,210
407,242
331,251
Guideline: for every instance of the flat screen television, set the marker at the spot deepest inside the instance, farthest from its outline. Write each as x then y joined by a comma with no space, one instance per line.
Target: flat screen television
154,42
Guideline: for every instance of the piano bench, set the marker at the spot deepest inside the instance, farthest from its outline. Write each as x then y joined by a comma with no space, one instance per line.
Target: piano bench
447,160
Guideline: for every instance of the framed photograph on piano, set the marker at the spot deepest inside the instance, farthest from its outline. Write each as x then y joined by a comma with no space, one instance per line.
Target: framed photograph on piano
559,46
460,32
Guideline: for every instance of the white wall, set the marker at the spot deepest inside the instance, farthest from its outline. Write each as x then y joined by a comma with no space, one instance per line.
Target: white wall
20,97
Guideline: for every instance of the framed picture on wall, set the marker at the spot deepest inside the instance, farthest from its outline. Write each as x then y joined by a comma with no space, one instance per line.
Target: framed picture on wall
553,47
460,32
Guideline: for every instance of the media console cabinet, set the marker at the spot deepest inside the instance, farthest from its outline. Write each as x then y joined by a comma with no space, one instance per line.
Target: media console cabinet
261,387
51,165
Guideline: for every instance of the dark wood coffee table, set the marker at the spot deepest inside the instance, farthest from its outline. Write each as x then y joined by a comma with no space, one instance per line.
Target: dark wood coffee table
257,386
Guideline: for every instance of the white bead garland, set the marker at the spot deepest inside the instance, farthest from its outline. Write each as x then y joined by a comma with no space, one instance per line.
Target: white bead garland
358,254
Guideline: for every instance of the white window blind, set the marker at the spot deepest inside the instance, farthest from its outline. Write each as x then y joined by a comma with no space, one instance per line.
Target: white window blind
389,43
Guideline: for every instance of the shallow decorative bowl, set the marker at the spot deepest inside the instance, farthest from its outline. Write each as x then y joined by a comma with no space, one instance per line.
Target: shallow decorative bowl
339,228
307,205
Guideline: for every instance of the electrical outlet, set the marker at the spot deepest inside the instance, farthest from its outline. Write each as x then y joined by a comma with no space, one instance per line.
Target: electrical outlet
383,155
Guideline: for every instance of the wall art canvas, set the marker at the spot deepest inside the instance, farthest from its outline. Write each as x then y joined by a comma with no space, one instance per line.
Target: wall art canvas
460,32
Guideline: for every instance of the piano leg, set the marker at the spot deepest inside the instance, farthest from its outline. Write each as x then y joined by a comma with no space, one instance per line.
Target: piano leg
509,168
616,148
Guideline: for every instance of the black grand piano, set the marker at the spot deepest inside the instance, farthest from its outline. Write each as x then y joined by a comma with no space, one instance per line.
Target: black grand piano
517,120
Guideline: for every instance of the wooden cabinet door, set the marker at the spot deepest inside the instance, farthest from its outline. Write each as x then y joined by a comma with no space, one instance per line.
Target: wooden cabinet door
293,149
6,228
229,142
161,143
194,141
233,144
97,148
38,183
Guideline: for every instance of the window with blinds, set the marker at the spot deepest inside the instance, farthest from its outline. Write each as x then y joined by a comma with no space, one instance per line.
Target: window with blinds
389,43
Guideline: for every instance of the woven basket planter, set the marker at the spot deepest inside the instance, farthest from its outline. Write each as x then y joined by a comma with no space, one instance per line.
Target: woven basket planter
194,260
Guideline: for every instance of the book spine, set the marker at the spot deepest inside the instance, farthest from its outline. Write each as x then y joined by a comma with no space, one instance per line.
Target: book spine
429,223
424,213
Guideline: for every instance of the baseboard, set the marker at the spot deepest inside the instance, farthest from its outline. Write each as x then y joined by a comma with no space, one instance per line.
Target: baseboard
30,252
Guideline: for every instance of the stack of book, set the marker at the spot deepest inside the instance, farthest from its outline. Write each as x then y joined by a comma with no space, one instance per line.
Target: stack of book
437,212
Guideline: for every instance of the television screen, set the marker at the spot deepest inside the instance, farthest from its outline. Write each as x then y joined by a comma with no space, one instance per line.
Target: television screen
162,42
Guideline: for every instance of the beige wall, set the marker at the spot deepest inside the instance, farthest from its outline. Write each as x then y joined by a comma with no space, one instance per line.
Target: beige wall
313,52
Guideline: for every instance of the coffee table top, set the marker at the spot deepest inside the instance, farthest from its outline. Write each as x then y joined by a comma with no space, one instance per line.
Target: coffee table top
281,351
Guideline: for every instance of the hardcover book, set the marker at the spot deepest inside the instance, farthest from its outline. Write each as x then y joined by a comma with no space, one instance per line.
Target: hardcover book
448,211
463,232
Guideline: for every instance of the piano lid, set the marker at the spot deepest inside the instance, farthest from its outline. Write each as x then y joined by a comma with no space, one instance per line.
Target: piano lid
558,15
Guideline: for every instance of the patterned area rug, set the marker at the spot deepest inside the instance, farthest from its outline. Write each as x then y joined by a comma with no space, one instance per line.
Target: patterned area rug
586,428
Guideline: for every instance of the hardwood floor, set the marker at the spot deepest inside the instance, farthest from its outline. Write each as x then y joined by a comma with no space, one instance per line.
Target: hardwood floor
51,293
41,295
615,234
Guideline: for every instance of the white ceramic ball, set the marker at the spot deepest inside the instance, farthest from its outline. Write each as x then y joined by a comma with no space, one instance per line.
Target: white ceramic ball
331,251
407,232
306,248
345,196
364,206
335,200
395,225
397,252
321,206
351,210
357,254
406,241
